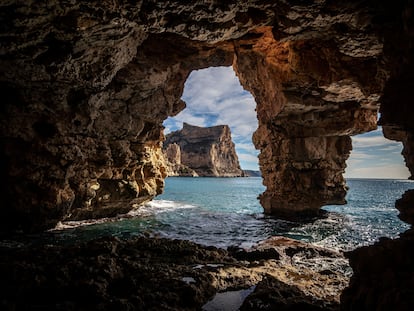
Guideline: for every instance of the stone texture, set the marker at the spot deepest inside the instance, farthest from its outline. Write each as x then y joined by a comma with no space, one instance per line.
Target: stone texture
209,151
172,154
383,273
160,274
383,276
86,87
308,105
406,207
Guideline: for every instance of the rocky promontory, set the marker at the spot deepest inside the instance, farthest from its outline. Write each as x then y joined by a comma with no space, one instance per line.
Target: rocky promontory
201,151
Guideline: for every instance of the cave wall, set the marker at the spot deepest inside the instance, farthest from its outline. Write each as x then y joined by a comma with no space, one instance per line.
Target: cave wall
86,87
383,272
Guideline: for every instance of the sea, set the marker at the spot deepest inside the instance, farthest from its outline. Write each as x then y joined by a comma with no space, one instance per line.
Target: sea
225,212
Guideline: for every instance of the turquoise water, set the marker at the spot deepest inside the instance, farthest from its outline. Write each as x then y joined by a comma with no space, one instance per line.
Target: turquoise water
225,211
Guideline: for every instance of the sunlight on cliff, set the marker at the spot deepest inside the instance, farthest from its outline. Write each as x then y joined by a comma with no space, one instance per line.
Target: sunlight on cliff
214,96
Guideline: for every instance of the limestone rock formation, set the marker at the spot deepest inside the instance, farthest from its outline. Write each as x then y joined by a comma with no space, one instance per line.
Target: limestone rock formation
251,173
172,154
208,151
306,112
85,88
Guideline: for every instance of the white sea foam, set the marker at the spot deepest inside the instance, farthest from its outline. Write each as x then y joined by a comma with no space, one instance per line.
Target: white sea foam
63,225
158,206
148,209
222,214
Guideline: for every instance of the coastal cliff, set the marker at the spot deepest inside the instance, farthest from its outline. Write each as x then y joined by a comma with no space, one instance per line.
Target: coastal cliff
202,151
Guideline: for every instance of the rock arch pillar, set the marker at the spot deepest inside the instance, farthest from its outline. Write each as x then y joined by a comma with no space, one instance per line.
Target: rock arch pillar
306,113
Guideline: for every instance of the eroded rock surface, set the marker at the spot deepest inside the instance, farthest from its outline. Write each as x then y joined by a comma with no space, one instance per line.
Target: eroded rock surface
383,276
207,151
85,87
161,274
306,112
172,153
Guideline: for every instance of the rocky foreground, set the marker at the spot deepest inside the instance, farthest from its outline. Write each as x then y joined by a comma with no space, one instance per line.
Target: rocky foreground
160,274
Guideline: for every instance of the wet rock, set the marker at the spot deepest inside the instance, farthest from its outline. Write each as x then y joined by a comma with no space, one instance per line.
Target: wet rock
153,274
406,207
272,294
383,275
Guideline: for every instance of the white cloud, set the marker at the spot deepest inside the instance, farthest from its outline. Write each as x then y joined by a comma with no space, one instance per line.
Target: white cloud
247,157
186,116
374,139
246,147
374,156
357,154
396,171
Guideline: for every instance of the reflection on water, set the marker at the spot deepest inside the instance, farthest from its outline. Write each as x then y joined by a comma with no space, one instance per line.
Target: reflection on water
229,301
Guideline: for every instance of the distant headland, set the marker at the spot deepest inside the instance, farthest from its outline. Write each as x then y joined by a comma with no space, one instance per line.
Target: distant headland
204,152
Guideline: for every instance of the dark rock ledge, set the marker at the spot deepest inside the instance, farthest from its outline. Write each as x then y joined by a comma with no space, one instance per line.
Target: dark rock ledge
160,274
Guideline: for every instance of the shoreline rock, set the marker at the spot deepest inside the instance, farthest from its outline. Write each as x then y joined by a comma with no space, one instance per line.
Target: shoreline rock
157,273
383,277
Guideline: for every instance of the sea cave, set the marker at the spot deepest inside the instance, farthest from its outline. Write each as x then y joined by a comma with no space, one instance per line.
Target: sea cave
85,89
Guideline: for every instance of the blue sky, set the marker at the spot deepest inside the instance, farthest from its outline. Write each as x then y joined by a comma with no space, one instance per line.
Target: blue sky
376,157
214,96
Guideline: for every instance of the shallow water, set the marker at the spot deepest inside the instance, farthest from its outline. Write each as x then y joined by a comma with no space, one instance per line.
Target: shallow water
229,300
225,211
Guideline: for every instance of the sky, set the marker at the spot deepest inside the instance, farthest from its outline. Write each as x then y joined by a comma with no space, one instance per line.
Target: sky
214,96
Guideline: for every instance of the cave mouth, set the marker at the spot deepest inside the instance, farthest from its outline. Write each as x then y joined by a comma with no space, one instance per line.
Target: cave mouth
376,157
368,215
214,97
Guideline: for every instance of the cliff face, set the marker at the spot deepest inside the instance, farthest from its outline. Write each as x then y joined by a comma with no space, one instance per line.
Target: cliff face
208,151
172,154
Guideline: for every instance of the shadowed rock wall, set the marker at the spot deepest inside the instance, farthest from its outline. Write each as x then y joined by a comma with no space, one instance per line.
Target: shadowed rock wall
383,273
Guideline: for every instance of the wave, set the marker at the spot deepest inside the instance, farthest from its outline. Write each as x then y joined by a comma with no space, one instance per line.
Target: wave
158,206
148,209
64,225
